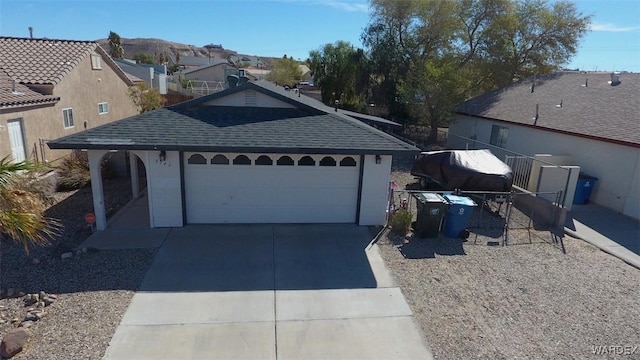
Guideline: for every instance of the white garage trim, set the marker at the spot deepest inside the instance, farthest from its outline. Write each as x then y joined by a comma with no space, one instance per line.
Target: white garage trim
325,192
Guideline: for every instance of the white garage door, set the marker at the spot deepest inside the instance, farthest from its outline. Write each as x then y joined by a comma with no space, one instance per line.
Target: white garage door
269,188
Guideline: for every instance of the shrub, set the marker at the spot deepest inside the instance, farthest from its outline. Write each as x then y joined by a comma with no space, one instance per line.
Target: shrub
400,221
73,172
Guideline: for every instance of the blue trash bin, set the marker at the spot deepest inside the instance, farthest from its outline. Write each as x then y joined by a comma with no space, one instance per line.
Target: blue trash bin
458,215
583,189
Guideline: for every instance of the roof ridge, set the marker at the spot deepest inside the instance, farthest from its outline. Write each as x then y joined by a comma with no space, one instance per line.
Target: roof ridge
46,39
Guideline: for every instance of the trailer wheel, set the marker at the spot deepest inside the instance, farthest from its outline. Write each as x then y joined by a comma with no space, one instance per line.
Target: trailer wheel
424,183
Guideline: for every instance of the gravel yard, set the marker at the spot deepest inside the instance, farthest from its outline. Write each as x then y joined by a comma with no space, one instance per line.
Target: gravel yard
479,299
474,299
93,289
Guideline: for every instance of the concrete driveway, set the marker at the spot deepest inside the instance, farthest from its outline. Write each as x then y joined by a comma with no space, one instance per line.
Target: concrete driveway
268,292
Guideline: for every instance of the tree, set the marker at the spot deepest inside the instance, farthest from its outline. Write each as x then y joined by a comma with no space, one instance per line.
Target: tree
22,216
334,68
115,45
144,98
285,71
531,37
143,58
444,51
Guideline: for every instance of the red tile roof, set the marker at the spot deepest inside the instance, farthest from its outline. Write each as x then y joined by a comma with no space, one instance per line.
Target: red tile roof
17,95
41,61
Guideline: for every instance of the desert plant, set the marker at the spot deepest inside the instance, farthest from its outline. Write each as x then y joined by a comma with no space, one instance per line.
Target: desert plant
400,221
73,172
22,216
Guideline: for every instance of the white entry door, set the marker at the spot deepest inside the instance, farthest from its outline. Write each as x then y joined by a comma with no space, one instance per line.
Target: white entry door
16,140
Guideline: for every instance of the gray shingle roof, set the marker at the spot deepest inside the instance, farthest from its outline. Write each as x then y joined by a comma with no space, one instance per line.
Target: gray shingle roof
597,110
22,96
193,126
309,101
207,63
200,61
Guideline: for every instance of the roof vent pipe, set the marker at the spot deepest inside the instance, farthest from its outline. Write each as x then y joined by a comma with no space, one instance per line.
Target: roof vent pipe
31,32
533,84
535,119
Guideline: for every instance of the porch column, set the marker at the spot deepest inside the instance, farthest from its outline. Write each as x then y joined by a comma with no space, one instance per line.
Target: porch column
95,158
133,166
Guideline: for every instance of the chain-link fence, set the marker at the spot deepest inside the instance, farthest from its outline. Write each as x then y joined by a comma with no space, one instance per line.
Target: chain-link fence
500,217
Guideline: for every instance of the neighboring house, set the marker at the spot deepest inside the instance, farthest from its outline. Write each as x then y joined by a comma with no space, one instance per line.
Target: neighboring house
212,78
246,60
254,153
258,73
306,73
190,62
213,73
155,76
589,118
52,88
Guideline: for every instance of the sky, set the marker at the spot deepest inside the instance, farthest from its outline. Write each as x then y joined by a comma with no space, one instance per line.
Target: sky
273,28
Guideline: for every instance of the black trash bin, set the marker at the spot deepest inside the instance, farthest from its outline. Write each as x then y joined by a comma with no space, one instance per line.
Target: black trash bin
431,208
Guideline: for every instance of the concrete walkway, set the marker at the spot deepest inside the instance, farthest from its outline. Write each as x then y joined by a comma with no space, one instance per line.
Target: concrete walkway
268,292
613,233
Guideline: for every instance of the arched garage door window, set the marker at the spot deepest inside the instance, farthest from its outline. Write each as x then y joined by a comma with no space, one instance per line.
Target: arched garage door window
306,161
348,161
264,160
285,160
219,160
328,161
241,160
196,159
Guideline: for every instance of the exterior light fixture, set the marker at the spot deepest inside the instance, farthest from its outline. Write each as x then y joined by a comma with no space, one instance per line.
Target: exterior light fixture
163,156
378,159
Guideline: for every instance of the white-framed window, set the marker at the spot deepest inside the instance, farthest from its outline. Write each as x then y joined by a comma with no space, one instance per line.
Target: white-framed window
96,62
67,116
499,136
103,108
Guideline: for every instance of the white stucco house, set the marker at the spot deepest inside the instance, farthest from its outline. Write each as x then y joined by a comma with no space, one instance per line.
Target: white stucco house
590,118
254,153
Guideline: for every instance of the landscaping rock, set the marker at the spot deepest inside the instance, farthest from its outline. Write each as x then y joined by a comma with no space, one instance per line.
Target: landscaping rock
48,301
38,313
26,324
30,299
66,255
13,342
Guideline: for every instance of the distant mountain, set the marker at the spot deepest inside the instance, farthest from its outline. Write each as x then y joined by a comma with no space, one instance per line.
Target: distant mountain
156,47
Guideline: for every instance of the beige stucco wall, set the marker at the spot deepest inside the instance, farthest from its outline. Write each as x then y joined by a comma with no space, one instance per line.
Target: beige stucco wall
616,166
81,90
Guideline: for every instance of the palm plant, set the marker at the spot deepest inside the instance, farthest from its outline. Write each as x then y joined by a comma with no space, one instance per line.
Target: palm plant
22,217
